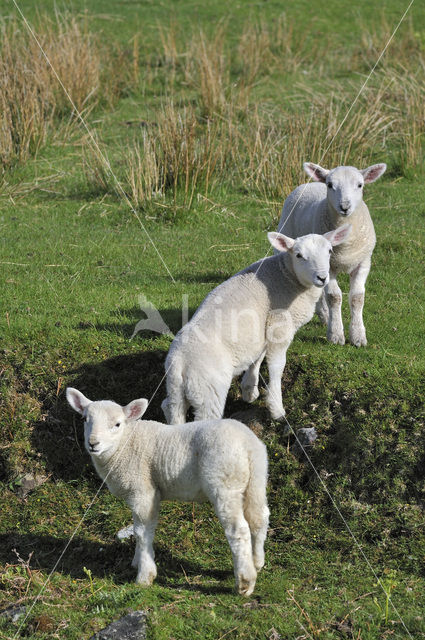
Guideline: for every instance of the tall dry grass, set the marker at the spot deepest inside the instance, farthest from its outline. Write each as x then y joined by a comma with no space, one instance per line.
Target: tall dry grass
180,156
214,128
401,49
186,153
221,74
207,70
26,111
31,98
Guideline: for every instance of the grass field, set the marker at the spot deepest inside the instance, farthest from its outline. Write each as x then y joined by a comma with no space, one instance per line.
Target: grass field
205,112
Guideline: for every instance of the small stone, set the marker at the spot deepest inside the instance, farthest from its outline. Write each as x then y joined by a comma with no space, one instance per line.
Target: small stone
13,613
29,482
306,438
130,627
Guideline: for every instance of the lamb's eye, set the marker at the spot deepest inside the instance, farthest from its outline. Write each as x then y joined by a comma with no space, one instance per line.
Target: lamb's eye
360,185
330,250
299,255
118,424
329,185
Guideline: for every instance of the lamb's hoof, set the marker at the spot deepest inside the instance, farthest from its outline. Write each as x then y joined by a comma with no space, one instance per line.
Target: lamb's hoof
359,343
145,580
250,394
245,587
278,416
259,562
336,338
358,339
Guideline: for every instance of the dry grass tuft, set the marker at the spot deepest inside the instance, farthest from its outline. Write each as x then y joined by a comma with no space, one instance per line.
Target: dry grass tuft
405,45
216,134
180,156
31,97
207,71
26,111
274,146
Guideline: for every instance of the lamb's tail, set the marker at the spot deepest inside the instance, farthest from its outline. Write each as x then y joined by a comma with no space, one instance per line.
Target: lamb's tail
175,404
256,510
255,504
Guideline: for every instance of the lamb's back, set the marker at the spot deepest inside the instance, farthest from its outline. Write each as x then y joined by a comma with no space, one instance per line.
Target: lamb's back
304,211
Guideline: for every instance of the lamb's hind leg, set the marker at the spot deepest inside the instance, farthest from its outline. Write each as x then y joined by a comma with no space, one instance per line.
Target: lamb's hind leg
229,508
258,537
212,405
249,382
175,410
207,394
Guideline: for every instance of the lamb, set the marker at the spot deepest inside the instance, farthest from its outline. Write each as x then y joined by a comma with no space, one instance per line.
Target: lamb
145,462
322,206
253,314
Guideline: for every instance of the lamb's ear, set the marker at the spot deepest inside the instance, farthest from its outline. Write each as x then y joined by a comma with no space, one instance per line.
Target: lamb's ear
373,172
315,171
135,409
338,235
77,400
279,241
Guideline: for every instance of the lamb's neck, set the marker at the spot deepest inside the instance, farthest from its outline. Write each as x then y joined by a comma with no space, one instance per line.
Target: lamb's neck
289,275
110,468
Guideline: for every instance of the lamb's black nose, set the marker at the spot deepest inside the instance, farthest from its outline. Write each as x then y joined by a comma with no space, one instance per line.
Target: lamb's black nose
322,279
92,445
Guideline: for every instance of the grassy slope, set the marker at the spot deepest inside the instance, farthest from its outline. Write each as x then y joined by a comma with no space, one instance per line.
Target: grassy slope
69,308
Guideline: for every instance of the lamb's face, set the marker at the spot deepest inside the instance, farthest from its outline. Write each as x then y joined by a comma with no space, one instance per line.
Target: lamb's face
104,424
344,189
310,255
104,421
311,260
344,185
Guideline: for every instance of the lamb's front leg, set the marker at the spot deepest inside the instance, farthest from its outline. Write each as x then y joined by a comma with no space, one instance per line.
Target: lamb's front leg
145,517
357,290
334,300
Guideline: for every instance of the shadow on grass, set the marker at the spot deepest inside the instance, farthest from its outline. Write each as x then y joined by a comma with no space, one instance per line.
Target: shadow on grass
60,436
104,560
171,317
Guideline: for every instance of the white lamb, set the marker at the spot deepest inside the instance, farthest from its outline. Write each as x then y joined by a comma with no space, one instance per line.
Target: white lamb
145,462
253,314
321,206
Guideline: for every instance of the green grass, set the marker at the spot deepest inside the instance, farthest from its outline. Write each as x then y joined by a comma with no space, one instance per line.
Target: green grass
73,265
